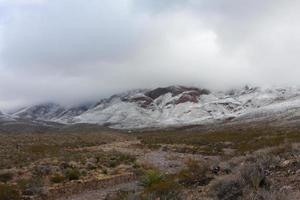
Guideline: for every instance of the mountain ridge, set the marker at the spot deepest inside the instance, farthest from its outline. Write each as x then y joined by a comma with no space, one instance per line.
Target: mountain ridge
173,106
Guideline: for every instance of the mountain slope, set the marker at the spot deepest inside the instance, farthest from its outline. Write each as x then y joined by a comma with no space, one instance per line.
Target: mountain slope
4,117
47,111
50,112
182,106
176,106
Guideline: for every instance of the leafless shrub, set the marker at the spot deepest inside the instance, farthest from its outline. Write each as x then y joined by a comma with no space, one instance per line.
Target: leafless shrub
253,175
267,195
228,187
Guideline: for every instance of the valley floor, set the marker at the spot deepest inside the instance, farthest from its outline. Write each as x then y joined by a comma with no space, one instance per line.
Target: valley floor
223,164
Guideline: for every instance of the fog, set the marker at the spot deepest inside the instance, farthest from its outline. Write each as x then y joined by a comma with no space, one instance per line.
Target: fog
73,51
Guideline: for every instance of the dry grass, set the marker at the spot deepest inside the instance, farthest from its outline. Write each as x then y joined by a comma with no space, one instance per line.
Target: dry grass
30,162
214,142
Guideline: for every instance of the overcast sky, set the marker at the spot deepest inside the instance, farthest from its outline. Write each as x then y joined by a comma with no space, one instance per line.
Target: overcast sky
71,51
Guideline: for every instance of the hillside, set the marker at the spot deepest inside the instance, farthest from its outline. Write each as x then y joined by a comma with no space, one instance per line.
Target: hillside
175,106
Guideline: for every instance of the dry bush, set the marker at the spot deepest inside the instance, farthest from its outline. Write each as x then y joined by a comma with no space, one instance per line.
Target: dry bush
253,176
159,186
150,178
228,187
195,174
166,189
263,194
32,186
265,159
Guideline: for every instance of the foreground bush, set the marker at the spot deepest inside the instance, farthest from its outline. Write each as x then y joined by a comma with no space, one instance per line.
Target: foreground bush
166,189
32,186
253,175
248,182
158,186
227,188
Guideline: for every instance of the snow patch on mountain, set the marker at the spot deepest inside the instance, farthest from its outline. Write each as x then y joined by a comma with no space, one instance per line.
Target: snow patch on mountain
173,106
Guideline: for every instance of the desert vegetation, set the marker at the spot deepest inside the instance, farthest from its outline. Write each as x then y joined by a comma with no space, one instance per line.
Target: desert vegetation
228,164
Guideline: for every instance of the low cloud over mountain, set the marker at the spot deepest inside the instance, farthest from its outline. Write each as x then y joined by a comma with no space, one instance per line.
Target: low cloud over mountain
75,51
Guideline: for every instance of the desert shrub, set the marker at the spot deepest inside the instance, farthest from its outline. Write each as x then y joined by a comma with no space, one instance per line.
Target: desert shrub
165,189
9,192
42,170
227,188
114,158
72,174
31,186
263,194
159,186
150,178
138,170
253,175
57,178
195,174
6,176
264,159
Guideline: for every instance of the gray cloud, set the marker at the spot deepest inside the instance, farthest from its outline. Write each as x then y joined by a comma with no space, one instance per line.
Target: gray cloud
73,50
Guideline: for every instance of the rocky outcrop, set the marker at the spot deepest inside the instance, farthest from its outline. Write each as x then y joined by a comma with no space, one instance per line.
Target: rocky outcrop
142,101
174,90
191,96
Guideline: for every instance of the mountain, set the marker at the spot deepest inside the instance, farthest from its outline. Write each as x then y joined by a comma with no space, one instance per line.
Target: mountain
4,117
176,106
50,112
47,111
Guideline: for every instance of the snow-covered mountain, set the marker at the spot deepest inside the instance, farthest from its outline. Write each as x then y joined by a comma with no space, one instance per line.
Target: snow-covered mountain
5,117
51,112
47,111
175,106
